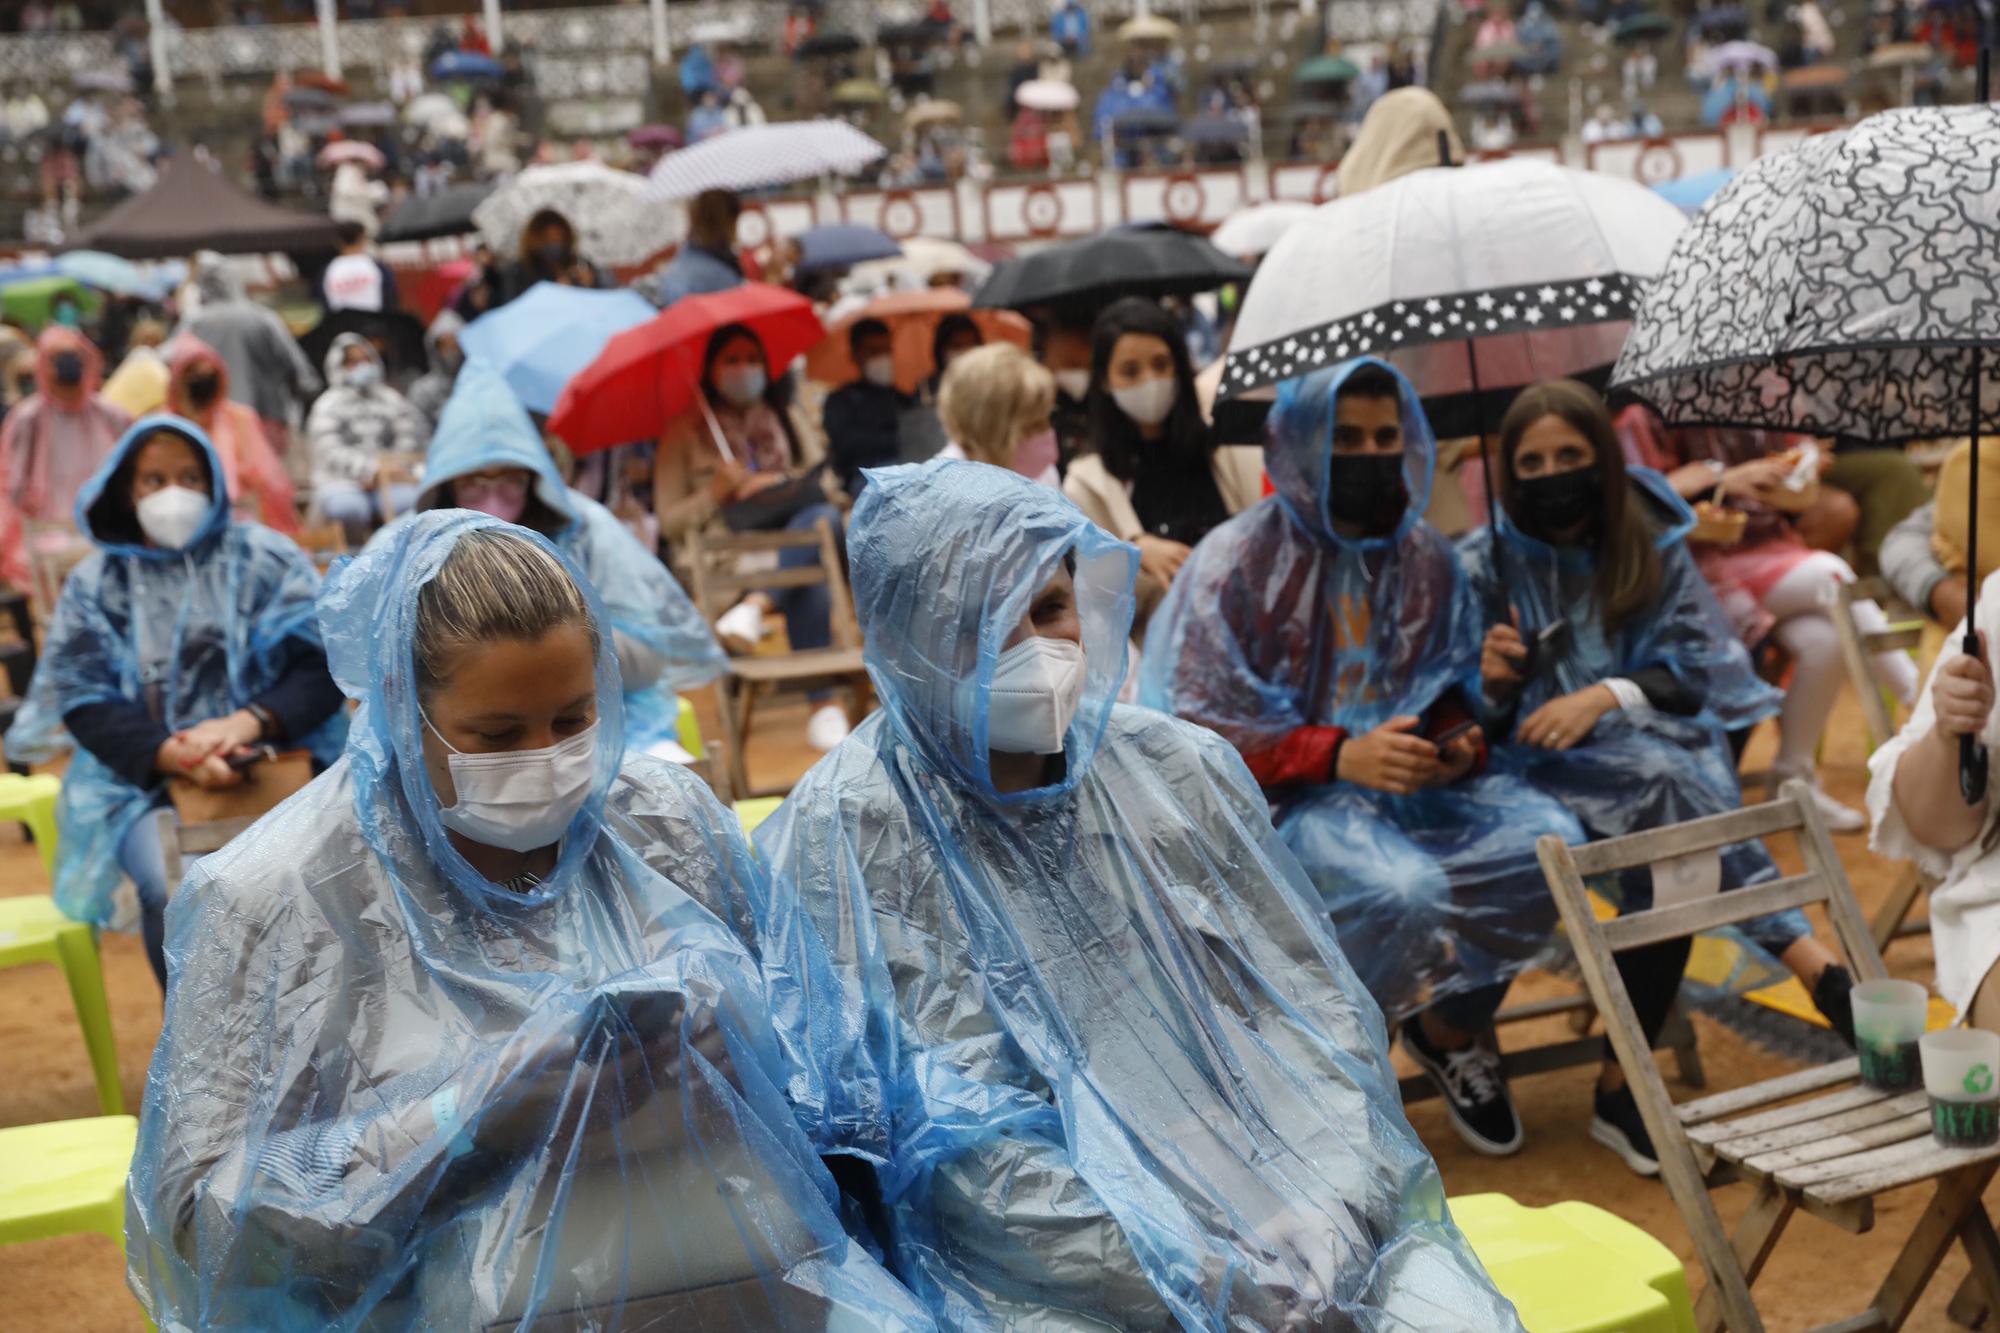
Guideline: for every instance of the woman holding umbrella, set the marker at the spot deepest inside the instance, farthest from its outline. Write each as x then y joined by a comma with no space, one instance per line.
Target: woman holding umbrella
547,253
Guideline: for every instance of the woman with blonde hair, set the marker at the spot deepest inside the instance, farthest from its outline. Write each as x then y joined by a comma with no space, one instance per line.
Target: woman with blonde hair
995,403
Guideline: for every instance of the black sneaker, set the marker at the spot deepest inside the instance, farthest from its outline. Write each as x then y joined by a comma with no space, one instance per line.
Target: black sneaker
1475,1095
1618,1127
1833,996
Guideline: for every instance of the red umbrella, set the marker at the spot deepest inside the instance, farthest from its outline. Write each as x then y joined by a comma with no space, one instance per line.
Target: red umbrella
646,376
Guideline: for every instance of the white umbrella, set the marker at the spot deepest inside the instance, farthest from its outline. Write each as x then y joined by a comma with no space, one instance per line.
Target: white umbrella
923,258
719,32
1484,277
758,156
429,107
1047,95
1254,230
616,219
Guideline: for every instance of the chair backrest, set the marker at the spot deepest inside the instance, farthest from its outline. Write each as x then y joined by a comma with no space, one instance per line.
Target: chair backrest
1595,942
328,539
719,581
265,785
1858,645
710,769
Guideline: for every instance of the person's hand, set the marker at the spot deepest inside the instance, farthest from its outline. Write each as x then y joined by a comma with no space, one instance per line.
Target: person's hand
1389,758
1565,722
1755,479
1962,694
729,476
366,481
175,757
223,735
213,773
1456,759
1503,654
758,482
1161,557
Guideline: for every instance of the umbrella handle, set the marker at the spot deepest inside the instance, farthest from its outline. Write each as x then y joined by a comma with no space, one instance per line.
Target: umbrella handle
714,426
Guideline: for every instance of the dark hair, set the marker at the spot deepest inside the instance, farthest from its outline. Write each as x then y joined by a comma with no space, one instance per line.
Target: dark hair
948,328
862,330
349,231
1115,436
1370,381
1628,566
777,393
113,518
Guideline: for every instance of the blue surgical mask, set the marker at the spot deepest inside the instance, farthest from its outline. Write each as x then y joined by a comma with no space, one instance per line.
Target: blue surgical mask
742,385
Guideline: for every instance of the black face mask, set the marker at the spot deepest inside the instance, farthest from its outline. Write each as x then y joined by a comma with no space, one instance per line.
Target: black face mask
556,255
68,369
202,390
1367,491
1546,506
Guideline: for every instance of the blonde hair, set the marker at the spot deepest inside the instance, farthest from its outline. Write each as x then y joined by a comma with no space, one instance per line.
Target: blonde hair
988,394
494,585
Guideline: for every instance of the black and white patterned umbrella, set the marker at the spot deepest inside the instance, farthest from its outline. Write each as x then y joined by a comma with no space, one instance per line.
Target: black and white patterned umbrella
615,217
1837,288
758,156
1493,276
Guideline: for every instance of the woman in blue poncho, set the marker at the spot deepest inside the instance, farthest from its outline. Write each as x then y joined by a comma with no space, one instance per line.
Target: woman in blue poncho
486,455
1085,1019
1329,634
1622,709
488,1027
185,638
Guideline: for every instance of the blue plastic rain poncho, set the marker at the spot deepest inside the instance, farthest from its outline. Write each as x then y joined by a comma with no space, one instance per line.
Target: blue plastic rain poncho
191,634
1278,623
1111,1066
663,641
1640,768
390,1094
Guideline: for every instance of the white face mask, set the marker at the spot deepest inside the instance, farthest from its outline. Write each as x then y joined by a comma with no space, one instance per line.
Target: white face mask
1147,403
741,385
520,799
170,517
364,376
880,371
1037,685
1075,383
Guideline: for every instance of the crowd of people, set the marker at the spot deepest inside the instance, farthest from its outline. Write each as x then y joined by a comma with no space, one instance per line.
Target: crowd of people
1060,991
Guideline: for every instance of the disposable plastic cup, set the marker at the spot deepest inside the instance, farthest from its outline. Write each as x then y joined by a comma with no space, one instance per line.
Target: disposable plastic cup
1888,1020
1962,1076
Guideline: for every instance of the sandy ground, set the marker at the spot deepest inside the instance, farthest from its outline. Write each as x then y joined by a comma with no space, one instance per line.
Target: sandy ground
1818,1273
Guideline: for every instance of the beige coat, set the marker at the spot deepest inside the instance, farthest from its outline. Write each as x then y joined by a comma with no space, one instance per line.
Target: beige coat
685,463
1107,502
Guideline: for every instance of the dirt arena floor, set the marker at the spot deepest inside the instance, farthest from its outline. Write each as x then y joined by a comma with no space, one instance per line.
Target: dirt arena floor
1818,1274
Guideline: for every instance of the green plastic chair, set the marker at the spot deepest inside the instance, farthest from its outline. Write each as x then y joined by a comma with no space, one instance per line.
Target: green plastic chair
690,728
33,931
65,1178
32,801
1574,1268
754,810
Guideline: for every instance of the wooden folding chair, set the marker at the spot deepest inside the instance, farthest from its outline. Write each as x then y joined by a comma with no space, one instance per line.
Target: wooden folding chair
1580,1048
1814,1140
209,819
709,768
323,543
719,583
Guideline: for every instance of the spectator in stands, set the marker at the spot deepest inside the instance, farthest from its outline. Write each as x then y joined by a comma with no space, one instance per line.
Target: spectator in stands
356,279
1155,475
433,388
1070,27
1603,125
1492,131
697,73
354,197
771,478
1815,34
864,419
1398,136
707,262
1770,583
1543,40
1640,71
1642,121
267,370
259,488
51,443
366,440
707,119
1497,30
185,639
799,25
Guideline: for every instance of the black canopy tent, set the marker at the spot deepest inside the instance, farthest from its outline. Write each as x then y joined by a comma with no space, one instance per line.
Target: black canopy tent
193,208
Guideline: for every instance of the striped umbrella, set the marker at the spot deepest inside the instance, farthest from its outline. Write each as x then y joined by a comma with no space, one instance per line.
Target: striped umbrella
758,156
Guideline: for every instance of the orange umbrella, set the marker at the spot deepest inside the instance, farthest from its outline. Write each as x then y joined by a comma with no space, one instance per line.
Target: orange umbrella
912,318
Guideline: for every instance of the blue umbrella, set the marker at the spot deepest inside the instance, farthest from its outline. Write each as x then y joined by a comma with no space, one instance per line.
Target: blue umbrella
842,245
541,339
13,273
465,65
1689,193
108,273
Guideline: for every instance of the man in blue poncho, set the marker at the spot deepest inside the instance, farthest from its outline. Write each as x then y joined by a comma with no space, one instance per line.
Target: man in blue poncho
1084,1017
184,638
475,1032
1329,634
487,455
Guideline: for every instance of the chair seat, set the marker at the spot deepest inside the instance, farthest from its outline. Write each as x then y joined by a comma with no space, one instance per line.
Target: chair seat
797,666
1844,1143
62,1178
755,810
1573,1268
29,928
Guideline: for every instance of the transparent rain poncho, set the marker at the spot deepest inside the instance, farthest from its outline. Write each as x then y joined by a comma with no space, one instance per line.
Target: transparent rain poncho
1641,768
1277,622
192,634
1111,1068
663,641
390,1094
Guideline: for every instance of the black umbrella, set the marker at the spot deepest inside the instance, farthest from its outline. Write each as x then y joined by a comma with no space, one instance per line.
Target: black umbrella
827,44
1725,21
906,34
447,213
1848,286
396,334
1638,28
1146,123
1490,94
1215,130
1128,261
369,115
1301,111
311,99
